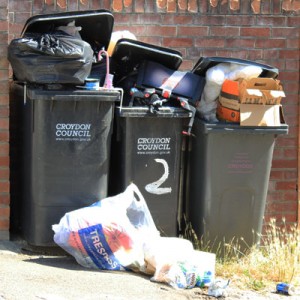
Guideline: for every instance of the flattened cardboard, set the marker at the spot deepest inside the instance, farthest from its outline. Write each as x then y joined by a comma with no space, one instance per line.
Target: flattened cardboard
261,115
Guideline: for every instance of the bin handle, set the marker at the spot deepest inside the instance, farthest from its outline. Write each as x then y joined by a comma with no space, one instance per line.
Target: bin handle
108,76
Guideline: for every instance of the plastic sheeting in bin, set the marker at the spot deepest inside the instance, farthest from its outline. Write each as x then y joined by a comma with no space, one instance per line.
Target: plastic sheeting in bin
147,150
66,154
229,169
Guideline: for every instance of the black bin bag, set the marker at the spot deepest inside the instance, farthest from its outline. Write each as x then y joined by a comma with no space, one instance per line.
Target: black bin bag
50,58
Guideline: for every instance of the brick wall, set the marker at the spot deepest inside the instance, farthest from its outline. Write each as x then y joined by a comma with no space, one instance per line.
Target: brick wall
263,30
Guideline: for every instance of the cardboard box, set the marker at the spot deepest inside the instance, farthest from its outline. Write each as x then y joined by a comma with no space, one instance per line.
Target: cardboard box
266,91
254,102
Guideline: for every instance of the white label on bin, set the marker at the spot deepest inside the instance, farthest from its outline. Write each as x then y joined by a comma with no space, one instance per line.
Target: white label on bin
73,132
154,187
153,145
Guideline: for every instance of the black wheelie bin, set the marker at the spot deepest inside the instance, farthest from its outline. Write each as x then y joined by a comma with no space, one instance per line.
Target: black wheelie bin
66,127
148,140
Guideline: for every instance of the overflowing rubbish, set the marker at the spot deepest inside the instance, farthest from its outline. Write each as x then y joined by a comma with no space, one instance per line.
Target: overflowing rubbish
118,233
70,54
110,234
218,288
51,57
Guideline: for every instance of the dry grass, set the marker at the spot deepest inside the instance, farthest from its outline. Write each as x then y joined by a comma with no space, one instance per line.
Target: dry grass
277,259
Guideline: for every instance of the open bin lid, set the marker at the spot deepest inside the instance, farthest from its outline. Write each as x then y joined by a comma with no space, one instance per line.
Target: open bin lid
97,25
205,63
129,54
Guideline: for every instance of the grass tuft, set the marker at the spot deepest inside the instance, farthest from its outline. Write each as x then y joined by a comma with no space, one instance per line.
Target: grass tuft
276,259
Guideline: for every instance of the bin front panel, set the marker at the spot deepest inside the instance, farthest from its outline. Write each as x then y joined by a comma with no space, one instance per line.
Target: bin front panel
230,174
66,159
151,149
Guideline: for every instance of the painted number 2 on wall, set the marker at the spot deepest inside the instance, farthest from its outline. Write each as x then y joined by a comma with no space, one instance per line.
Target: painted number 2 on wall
155,187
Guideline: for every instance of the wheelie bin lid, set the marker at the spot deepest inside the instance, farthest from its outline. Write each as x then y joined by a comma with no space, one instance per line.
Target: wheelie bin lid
97,25
129,54
205,63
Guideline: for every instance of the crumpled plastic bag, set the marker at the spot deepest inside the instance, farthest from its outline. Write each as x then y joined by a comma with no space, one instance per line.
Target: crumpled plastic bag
110,234
215,77
175,262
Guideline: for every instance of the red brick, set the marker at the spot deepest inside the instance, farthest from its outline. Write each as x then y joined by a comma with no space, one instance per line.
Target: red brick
177,42
290,196
275,175
186,65
290,175
278,21
4,99
4,224
171,6
286,164
37,6
4,123
4,199
154,30
3,25
152,40
4,111
193,6
4,161
140,7
73,5
4,149
239,43
238,20
289,54
289,76
210,42
161,4
292,43
286,185
283,207
267,53
4,136
255,32
176,19
4,186
4,173
192,31
14,5
209,20
137,30
293,21
255,5
255,54
292,64
117,5
270,43
224,31
153,19
3,13
128,4
285,32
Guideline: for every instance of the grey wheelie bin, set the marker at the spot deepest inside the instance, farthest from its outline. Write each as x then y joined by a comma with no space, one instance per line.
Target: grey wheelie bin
66,128
229,170
228,174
